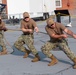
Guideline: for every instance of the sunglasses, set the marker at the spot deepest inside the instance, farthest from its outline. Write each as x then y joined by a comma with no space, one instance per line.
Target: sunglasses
51,25
26,17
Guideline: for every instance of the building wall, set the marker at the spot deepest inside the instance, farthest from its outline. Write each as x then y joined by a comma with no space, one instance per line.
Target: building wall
68,4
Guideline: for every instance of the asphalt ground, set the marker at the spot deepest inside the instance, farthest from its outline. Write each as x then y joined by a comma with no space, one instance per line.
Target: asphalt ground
15,64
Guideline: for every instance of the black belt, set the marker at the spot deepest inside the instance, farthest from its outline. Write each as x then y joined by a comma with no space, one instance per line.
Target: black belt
27,34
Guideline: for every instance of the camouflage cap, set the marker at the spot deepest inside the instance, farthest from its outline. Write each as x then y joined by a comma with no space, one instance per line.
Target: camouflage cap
25,14
50,21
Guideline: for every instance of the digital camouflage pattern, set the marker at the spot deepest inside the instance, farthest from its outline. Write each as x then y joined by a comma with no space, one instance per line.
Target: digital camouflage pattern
2,44
62,44
28,40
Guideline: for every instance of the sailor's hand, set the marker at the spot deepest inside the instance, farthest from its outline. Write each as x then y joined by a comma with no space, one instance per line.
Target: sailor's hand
5,29
64,36
30,30
74,36
36,29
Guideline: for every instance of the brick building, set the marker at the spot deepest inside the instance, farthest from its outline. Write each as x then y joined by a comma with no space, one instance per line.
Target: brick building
66,4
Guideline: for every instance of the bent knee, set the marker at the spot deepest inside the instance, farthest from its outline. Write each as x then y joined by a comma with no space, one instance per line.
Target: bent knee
43,49
16,45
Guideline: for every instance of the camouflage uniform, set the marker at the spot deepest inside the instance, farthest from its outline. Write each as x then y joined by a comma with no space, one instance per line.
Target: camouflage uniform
26,38
53,43
2,44
61,44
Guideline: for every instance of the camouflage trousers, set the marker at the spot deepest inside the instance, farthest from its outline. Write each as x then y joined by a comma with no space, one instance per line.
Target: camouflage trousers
28,41
62,45
2,44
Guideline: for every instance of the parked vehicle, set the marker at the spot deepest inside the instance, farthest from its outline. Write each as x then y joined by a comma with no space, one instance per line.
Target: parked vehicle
36,8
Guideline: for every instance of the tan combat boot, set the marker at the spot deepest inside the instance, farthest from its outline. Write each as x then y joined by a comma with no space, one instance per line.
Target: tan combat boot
53,62
3,52
26,54
74,66
37,58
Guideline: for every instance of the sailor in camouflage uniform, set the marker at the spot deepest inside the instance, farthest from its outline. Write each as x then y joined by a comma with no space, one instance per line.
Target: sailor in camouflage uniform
2,44
28,26
57,39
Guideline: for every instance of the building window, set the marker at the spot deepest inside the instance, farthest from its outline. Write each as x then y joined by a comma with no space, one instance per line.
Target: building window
58,3
0,1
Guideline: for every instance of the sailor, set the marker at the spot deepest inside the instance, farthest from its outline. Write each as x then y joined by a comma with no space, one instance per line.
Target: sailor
2,44
57,36
28,26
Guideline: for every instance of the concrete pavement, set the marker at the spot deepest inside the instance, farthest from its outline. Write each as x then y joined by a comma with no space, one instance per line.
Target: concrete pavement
15,64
